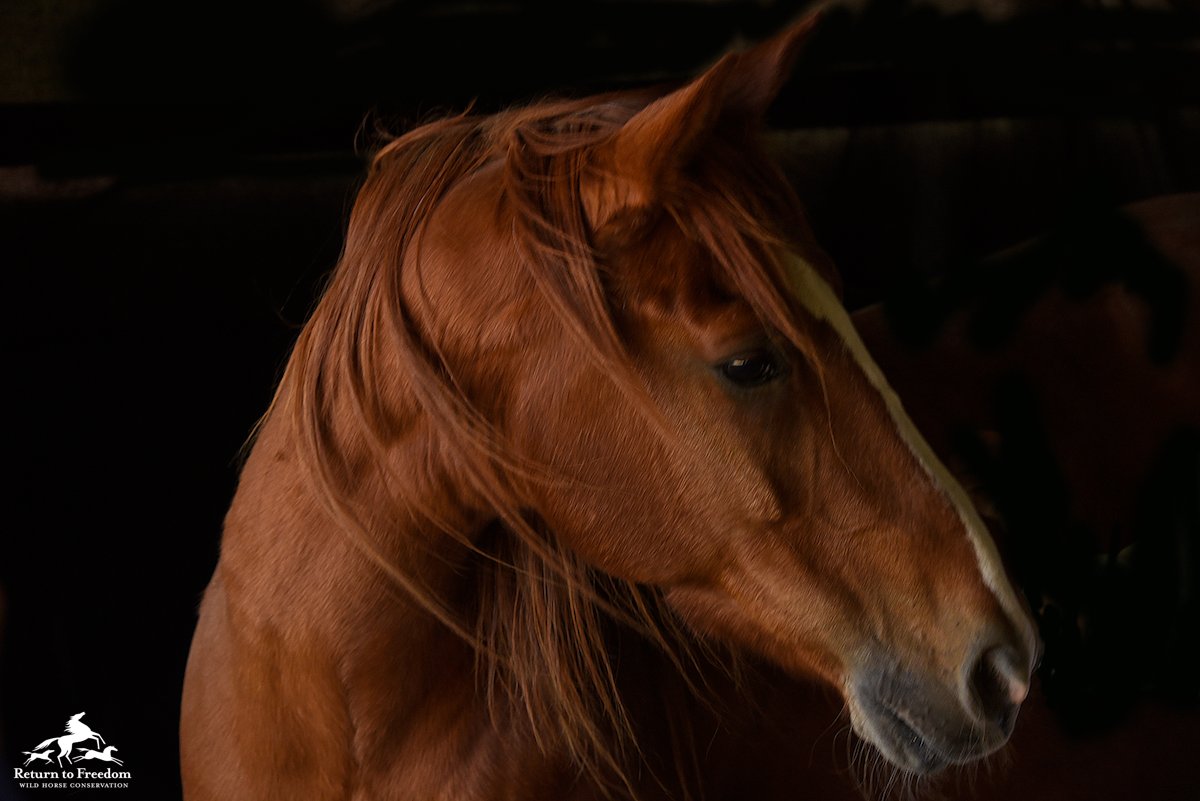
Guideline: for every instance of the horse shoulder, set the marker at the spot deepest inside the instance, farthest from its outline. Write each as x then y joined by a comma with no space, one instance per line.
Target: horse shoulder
262,717
263,713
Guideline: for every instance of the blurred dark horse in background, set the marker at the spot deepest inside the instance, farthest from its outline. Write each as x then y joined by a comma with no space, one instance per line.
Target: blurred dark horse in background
1061,382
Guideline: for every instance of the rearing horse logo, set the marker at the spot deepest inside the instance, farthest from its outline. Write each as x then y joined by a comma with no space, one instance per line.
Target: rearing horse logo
77,732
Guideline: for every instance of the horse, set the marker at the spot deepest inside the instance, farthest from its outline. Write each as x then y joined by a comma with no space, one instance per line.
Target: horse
34,755
77,732
578,477
105,756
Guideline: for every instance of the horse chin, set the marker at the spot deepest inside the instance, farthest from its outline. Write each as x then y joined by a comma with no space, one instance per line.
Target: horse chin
898,741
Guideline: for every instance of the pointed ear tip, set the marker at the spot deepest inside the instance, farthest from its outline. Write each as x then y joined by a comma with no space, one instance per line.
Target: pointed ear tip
781,49
802,28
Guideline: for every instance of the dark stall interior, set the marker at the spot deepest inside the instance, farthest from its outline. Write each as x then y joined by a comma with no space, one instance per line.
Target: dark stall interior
175,179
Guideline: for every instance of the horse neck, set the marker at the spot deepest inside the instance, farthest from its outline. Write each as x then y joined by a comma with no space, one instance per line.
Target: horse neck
287,558
405,680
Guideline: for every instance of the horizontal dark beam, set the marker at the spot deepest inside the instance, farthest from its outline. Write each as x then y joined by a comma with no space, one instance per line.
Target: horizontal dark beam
172,116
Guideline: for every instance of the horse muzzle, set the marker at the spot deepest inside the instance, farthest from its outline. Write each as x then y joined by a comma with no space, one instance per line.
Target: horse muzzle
923,724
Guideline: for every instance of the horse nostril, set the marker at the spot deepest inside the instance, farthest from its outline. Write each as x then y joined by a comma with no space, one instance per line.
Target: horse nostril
999,685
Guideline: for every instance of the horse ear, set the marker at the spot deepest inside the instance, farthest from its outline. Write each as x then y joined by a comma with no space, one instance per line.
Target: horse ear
658,141
762,71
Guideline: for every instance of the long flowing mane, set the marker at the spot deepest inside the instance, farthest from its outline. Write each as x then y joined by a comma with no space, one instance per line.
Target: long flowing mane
542,621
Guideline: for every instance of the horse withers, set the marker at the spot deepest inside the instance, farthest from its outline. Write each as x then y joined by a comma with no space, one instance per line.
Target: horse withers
578,427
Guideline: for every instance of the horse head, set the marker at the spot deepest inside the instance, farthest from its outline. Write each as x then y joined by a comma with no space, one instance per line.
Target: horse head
606,325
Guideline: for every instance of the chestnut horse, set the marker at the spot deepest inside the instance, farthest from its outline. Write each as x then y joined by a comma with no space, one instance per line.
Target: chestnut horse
578,447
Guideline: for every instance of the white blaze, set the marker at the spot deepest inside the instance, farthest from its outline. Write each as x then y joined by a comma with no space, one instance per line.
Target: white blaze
818,297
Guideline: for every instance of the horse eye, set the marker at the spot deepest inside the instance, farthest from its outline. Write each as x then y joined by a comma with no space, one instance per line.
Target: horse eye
752,369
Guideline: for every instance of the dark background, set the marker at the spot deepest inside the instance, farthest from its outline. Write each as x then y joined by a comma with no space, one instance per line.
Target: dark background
175,179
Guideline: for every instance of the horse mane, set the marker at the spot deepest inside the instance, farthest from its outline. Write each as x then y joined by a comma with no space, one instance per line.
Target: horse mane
543,621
